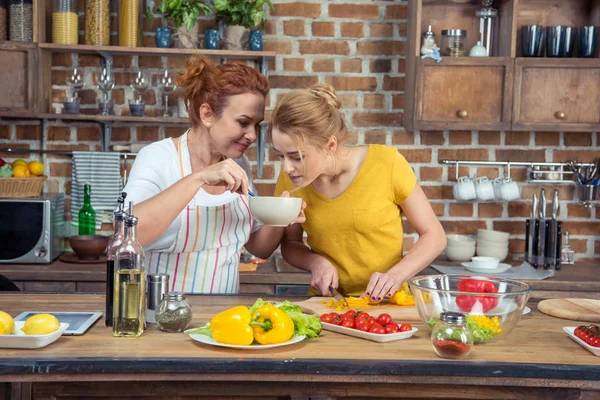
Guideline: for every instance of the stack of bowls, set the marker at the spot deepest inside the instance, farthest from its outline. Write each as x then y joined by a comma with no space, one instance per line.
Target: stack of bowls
460,247
492,244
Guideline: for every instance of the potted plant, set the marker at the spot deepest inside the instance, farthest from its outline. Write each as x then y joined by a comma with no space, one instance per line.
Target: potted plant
184,15
239,16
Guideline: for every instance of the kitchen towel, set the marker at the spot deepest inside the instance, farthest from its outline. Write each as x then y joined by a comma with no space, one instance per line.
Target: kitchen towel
102,171
522,272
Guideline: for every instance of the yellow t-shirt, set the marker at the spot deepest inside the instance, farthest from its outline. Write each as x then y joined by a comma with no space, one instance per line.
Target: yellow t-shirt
360,231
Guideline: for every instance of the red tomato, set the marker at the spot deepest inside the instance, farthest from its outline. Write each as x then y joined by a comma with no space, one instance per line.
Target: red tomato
384,319
377,328
336,321
371,320
362,314
405,327
362,324
326,318
392,328
348,323
349,313
334,314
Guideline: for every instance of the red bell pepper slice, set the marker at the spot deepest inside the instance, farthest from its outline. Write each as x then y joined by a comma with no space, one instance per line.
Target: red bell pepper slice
466,302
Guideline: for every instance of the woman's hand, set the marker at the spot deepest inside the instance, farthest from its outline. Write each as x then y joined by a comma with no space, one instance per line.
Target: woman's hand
380,286
301,218
226,172
323,275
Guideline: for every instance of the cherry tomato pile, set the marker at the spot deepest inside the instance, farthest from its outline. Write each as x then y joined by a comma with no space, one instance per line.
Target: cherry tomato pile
589,334
362,321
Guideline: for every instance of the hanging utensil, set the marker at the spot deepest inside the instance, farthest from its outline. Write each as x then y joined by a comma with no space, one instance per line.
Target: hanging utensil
541,243
553,241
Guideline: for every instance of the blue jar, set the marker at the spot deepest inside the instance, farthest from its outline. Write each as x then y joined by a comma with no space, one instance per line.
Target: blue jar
255,40
212,39
163,37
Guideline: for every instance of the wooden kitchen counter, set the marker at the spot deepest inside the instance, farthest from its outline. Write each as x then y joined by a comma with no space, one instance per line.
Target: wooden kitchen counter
537,360
579,280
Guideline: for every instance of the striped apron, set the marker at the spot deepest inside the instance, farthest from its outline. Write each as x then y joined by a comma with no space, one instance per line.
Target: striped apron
205,256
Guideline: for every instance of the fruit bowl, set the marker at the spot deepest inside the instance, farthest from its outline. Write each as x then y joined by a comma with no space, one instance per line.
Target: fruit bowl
493,306
89,247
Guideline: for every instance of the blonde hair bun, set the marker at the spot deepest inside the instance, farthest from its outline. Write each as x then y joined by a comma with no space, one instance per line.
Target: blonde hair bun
327,93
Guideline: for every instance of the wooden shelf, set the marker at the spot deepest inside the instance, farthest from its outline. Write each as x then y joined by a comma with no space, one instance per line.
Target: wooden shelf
155,51
467,61
114,118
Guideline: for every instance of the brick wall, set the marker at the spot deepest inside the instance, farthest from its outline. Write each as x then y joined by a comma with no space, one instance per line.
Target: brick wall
359,48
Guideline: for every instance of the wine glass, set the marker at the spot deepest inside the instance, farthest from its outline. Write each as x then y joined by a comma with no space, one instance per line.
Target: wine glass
105,82
167,84
75,82
139,83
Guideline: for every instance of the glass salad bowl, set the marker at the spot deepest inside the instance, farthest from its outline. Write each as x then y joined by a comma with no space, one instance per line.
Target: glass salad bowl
493,306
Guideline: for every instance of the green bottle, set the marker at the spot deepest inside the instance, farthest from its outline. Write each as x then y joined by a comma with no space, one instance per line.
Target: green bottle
87,215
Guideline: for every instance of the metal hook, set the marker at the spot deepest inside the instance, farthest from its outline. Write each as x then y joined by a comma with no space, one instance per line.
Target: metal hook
457,167
508,173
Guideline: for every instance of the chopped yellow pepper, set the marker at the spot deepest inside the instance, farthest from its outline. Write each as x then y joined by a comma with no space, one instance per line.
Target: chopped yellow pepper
271,325
402,298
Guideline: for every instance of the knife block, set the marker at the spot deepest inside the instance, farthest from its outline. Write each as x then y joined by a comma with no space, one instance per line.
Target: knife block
544,253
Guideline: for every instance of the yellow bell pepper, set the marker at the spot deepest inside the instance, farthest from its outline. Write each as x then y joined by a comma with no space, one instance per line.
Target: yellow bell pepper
232,326
271,325
402,298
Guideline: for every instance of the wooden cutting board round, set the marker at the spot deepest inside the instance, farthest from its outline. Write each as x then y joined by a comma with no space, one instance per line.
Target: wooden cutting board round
576,309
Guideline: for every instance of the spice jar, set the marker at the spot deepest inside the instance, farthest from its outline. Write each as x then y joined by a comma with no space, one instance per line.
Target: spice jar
129,18
97,22
454,42
3,20
21,20
174,313
452,337
64,22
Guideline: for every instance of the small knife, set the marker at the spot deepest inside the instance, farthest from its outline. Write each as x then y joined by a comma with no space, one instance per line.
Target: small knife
552,234
532,234
541,244
336,295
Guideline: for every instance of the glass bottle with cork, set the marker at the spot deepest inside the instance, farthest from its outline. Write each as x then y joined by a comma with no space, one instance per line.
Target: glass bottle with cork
129,286
111,249
87,215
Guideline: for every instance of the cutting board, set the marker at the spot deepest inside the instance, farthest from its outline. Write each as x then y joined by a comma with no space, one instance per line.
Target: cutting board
576,309
398,313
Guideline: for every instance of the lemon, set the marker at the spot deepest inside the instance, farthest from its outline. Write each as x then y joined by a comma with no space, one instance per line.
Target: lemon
7,322
19,162
2,330
40,324
36,168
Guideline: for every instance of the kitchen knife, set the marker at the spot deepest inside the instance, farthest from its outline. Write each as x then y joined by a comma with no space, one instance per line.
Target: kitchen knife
552,234
336,295
541,244
531,240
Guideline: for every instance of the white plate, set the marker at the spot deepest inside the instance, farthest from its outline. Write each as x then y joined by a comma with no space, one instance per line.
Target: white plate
571,332
209,340
19,340
498,270
526,310
375,337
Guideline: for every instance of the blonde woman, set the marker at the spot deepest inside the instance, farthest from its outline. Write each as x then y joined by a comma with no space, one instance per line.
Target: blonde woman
355,199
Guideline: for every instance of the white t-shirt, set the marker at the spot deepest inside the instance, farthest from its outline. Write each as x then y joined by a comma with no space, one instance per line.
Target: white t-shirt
155,169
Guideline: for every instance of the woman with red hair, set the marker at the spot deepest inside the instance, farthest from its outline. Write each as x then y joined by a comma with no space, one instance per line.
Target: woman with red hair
193,220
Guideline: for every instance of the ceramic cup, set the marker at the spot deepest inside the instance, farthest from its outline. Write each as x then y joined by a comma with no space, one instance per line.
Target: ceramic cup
484,189
498,182
510,190
464,189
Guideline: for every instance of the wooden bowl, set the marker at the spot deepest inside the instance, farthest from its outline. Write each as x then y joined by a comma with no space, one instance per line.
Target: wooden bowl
89,247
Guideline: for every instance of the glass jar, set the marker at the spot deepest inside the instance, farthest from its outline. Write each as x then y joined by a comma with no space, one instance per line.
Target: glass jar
21,20
3,20
452,337
129,22
65,29
174,313
454,42
97,22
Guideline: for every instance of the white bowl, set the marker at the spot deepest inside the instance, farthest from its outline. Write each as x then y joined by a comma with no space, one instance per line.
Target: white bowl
460,240
275,211
461,253
485,262
492,236
487,243
495,252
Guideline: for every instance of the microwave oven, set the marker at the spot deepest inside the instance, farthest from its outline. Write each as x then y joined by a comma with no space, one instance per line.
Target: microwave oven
31,230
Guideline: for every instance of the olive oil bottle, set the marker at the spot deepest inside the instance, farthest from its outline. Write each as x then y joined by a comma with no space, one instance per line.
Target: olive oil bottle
129,283
111,249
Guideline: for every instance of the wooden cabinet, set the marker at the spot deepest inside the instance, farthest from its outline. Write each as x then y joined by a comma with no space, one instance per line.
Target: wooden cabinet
560,95
17,80
459,93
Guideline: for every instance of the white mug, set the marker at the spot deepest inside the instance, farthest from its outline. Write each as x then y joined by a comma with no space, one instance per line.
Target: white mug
498,182
510,190
464,189
484,189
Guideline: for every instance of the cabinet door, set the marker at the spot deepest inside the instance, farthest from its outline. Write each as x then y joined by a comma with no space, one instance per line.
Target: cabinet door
17,63
464,94
559,95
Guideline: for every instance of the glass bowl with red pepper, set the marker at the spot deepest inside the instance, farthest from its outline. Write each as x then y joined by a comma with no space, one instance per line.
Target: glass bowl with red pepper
493,306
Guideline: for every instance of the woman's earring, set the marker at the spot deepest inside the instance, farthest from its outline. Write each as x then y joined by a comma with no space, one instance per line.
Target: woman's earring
208,124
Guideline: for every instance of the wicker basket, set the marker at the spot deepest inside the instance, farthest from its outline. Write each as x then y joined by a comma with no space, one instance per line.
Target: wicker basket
22,187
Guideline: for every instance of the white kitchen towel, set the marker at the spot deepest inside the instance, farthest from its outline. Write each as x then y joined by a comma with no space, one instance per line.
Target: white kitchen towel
102,170
522,272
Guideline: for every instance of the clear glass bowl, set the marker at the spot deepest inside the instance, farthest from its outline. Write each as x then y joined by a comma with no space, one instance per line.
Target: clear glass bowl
489,315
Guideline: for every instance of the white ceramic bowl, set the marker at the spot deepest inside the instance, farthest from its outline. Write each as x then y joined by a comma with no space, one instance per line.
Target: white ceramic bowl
460,240
275,211
485,262
487,243
495,252
461,253
492,236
